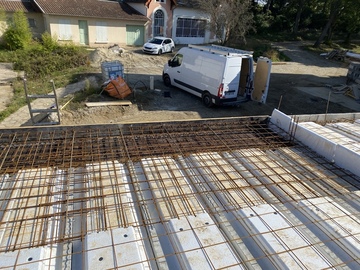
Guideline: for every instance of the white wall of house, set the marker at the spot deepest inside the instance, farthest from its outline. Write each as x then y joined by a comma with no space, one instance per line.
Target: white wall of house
101,32
36,24
187,13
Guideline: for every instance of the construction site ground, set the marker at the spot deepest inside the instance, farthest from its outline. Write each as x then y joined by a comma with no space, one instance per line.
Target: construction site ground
297,87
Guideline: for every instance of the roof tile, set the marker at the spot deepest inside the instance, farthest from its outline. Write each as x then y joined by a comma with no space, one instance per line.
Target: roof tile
18,5
90,8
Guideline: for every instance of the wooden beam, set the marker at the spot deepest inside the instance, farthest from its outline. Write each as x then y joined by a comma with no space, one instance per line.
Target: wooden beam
109,103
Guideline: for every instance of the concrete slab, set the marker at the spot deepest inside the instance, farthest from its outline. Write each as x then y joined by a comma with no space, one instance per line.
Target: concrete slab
6,94
7,74
323,92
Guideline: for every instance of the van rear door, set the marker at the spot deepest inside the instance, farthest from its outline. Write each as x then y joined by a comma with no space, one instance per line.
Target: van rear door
231,77
261,80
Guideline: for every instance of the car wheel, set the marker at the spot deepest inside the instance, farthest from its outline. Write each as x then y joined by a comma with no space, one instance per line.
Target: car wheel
172,49
166,80
207,100
160,51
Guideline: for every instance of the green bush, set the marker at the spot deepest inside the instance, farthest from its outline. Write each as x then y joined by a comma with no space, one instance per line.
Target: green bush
267,51
39,61
49,43
18,34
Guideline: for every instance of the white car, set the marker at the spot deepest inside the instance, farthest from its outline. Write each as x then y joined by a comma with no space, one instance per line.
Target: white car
159,45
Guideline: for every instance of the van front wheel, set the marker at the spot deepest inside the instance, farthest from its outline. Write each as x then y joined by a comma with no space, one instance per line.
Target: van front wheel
167,80
207,100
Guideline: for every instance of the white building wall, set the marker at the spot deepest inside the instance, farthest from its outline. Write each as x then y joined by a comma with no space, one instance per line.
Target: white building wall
181,12
115,30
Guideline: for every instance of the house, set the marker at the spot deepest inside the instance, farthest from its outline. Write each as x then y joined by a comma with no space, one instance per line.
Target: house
95,23
32,12
99,23
181,20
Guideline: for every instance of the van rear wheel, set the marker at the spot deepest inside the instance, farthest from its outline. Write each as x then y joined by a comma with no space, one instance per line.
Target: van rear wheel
207,100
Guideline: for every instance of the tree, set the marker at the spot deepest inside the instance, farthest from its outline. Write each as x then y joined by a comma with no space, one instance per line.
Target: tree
336,6
301,4
349,20
18,34
230,20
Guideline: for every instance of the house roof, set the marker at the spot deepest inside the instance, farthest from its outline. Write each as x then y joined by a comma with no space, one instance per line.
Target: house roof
18,5
90,8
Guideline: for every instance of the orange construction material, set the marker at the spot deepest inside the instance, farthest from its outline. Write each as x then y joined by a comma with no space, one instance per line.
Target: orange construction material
118,88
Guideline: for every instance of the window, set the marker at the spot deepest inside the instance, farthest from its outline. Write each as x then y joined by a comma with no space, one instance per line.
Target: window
190,27
161,1
65,30
159,23
176,61
32,22
101,32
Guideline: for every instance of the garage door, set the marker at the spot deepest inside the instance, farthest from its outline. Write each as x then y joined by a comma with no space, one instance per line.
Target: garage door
135,35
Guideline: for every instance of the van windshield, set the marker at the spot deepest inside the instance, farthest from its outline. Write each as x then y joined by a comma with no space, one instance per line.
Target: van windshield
177,60
156,41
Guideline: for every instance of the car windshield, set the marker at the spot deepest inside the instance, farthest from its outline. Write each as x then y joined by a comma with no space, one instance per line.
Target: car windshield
156,41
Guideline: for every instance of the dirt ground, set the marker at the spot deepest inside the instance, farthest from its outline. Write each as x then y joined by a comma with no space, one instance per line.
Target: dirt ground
307,70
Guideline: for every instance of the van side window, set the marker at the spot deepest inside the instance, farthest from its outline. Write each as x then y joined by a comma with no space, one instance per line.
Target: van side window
177,60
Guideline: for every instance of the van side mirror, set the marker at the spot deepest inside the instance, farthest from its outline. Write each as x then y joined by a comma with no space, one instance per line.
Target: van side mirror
170,63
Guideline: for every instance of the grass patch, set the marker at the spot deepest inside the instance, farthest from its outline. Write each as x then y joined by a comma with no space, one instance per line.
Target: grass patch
17,101
262,47
43,86
271,53
328,47
42,62
77,100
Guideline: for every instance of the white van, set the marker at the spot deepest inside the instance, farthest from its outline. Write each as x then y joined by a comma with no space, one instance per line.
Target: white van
219,75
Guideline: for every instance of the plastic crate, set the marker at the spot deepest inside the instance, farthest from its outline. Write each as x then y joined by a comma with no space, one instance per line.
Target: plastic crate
111,70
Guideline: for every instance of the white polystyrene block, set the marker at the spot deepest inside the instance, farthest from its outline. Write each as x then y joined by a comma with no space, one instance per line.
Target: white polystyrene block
281,120
187,246
99,251
8,259
127,249
347,159
319,144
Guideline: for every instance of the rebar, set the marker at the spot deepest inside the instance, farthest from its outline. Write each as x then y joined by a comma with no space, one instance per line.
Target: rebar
60,184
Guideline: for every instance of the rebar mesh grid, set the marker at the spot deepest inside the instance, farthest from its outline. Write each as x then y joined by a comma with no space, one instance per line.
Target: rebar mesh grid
62,186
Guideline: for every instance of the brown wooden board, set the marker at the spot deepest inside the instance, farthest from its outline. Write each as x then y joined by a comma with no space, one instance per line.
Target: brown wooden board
261,80
108,103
